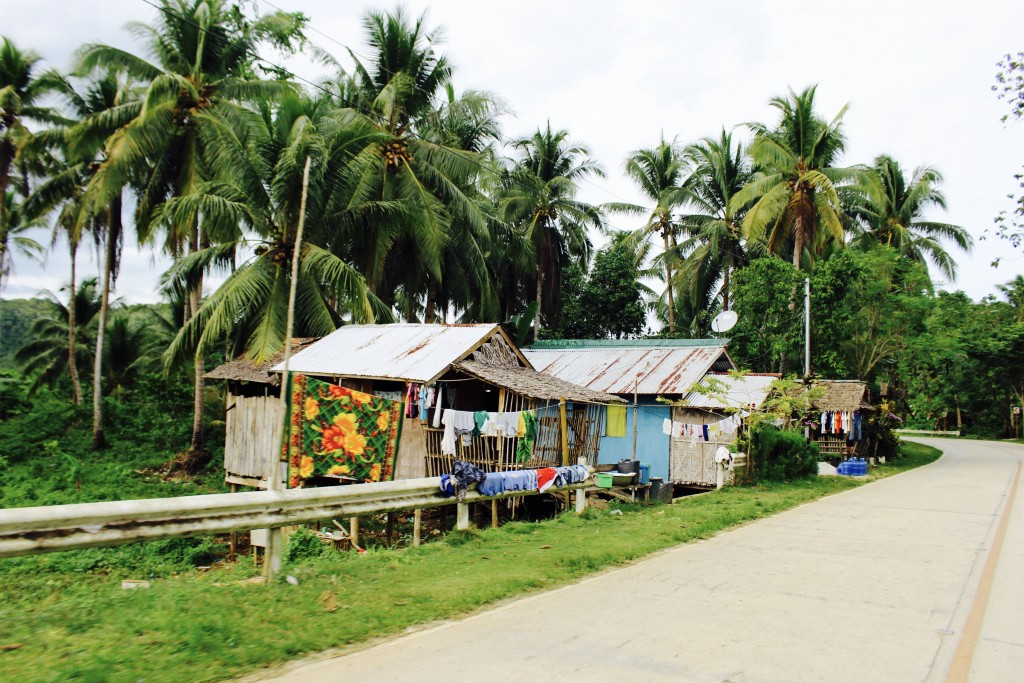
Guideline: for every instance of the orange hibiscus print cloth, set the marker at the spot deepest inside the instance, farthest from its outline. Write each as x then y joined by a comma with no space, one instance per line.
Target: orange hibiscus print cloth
338,432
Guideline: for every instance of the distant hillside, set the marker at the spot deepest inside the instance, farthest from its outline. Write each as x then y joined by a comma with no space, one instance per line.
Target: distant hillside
16,316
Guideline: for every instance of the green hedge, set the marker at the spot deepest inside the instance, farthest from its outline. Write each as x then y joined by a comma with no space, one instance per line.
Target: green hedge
782,455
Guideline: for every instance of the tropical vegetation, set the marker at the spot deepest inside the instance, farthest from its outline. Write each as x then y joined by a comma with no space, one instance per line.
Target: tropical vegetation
415,204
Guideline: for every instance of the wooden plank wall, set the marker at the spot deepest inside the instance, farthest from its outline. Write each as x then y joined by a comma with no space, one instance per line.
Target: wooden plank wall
694,463
253,436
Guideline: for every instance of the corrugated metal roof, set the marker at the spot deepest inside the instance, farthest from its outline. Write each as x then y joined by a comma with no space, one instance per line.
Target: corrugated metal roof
733,392
657,370
417,353
550,344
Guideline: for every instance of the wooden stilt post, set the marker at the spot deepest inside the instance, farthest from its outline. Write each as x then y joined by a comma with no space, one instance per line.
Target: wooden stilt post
462,516
563,429
417,521
494,514
353,528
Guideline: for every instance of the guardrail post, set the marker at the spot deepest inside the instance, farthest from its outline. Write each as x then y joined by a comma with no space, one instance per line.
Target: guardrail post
417,520
581,501
354,531
462,516
273,554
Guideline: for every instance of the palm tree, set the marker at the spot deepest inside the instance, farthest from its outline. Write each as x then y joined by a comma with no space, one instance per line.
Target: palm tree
539,196
257,185
657,173
46,356
74,159
891,208
21,95
14,239
428,160
793,200
715,245
470,123
203,69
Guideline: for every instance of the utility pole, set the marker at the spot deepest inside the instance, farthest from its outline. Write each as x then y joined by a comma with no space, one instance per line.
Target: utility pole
275,539
807,327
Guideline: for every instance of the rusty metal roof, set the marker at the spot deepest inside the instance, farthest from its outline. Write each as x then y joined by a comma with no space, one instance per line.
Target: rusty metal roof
730,392
416,353
661,369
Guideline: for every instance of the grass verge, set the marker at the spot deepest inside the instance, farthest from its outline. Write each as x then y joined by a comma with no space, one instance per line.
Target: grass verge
209,626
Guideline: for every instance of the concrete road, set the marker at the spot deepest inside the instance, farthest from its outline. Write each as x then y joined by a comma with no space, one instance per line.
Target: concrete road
914,578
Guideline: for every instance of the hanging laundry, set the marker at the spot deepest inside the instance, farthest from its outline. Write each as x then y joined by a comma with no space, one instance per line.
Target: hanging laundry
411,402
464,474
437,411
524,448
521,480
704,432
666,427
457,424
423,393
856,431
570,474
545,478
507,423
492,485
480,418
615,420
490,425
334,431
677,430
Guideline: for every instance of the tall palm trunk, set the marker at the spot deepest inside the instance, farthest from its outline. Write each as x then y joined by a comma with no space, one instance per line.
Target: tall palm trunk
540,297
725,287
6,159
429,313
668,282
76,384
113,235
195,299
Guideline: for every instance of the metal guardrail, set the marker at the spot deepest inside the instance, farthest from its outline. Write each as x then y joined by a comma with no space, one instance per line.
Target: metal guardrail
36,530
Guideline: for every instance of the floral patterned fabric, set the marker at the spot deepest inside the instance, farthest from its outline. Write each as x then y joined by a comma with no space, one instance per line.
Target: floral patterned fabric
337,432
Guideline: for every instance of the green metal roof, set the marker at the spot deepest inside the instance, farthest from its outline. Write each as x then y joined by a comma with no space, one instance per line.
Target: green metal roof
559,344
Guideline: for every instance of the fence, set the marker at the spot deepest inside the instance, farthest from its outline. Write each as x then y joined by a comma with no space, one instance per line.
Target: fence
36,530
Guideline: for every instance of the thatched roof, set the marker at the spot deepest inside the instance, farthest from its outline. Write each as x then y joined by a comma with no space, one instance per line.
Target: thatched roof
245,370
847,395
533,384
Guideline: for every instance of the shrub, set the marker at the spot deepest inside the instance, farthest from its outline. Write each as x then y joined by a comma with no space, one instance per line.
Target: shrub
780,455
303,545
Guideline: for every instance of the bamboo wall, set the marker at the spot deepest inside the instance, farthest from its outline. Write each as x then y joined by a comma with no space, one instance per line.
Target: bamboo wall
498,453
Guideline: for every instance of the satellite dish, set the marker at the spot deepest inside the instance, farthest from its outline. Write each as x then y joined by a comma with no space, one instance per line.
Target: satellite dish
724,321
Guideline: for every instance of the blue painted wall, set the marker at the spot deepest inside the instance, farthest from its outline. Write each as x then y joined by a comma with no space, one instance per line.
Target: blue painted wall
651,444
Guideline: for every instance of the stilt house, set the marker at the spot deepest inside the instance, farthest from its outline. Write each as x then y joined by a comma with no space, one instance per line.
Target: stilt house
472,367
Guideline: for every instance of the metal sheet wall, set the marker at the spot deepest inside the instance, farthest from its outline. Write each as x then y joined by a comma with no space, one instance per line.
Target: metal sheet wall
651,444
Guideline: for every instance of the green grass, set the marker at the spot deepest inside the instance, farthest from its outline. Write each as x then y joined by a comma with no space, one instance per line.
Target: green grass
207,626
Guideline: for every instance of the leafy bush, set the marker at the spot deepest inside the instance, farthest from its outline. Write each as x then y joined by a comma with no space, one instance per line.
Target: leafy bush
303,545
781,455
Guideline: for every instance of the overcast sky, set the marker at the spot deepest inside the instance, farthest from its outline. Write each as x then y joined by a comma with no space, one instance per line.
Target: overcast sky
917,76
